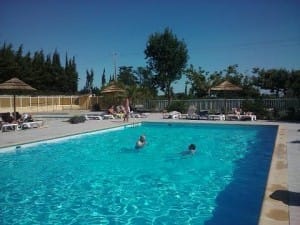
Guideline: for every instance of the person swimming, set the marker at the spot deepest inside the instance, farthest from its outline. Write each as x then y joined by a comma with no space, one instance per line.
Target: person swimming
191,150
140,142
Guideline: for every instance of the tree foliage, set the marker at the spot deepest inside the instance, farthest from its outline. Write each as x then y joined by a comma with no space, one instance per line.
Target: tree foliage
89,82
166,61
200,81
197,81
103,78
281,82
126,76
45,73
137,83
146,79
166,57
294,83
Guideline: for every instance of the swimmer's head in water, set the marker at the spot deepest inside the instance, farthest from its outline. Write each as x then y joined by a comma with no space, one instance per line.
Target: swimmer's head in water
142,138
192,147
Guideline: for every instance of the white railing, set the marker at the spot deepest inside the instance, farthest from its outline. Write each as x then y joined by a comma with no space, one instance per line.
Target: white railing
217,105
58,103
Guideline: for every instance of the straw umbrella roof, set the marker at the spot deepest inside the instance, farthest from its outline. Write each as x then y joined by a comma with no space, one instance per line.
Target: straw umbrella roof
16,84
226,89
226,86
112,89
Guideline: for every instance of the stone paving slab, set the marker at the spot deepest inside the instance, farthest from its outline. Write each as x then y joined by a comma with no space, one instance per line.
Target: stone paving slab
293,146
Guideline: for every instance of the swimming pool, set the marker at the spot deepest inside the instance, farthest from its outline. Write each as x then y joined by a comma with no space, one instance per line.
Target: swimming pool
100,178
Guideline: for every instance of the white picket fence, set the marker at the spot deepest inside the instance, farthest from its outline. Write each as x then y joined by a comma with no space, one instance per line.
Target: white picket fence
38,103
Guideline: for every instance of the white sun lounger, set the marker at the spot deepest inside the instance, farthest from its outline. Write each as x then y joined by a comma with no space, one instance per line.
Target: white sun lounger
245,117
34,124
108,116
9,127
172,115
216,117
93,117
241,117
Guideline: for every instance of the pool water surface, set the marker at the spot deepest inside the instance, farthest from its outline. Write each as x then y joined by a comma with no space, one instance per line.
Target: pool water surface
100,178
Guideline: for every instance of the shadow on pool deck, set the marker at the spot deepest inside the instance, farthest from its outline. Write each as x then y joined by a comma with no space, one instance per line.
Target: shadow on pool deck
287,197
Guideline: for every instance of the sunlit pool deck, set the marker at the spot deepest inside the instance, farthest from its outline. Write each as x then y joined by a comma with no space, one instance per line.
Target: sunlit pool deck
282,196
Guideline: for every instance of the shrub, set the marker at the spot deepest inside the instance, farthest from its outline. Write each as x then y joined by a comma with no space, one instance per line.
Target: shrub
96,107
77,119
177,106
256,106
291,114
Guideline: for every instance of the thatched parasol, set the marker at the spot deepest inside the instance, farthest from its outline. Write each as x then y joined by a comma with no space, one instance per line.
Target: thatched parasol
226,88
112,89
15,85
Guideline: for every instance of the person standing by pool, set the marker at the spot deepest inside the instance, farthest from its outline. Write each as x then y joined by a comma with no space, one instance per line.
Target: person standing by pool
127,110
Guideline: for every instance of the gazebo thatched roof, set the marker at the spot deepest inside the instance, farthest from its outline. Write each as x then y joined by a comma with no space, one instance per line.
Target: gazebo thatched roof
226,86
112,89
15,84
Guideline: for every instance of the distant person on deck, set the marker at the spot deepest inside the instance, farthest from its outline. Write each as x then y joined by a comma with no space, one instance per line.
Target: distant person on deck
111,110
126,110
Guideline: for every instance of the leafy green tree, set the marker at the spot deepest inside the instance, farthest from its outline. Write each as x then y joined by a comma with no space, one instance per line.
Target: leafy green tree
88,88
48,78
103,79
275,80
145,80
8,67
197,80
58,72
71,76
38,69
249,89
126,76
233,75
214,79
166,57
138,84
44,73
26,68
294,83
185,87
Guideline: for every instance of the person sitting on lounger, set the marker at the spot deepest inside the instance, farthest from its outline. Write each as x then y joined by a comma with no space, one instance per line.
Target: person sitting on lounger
140,142
191,150
27,118
112,111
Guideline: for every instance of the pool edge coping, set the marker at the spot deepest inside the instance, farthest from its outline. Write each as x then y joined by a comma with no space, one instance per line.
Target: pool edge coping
16,146
275,211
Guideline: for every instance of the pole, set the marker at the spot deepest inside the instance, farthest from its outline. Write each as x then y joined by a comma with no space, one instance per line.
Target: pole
115,65
15,116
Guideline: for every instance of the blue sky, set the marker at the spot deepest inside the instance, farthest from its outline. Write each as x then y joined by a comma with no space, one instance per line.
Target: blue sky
264,33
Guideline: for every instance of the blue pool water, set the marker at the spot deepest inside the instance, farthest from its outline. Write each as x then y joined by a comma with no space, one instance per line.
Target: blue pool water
101,179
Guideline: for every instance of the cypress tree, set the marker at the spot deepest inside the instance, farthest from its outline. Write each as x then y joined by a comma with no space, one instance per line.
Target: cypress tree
103,78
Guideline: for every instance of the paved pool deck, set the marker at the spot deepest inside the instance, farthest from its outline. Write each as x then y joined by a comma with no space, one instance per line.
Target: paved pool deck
287,195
